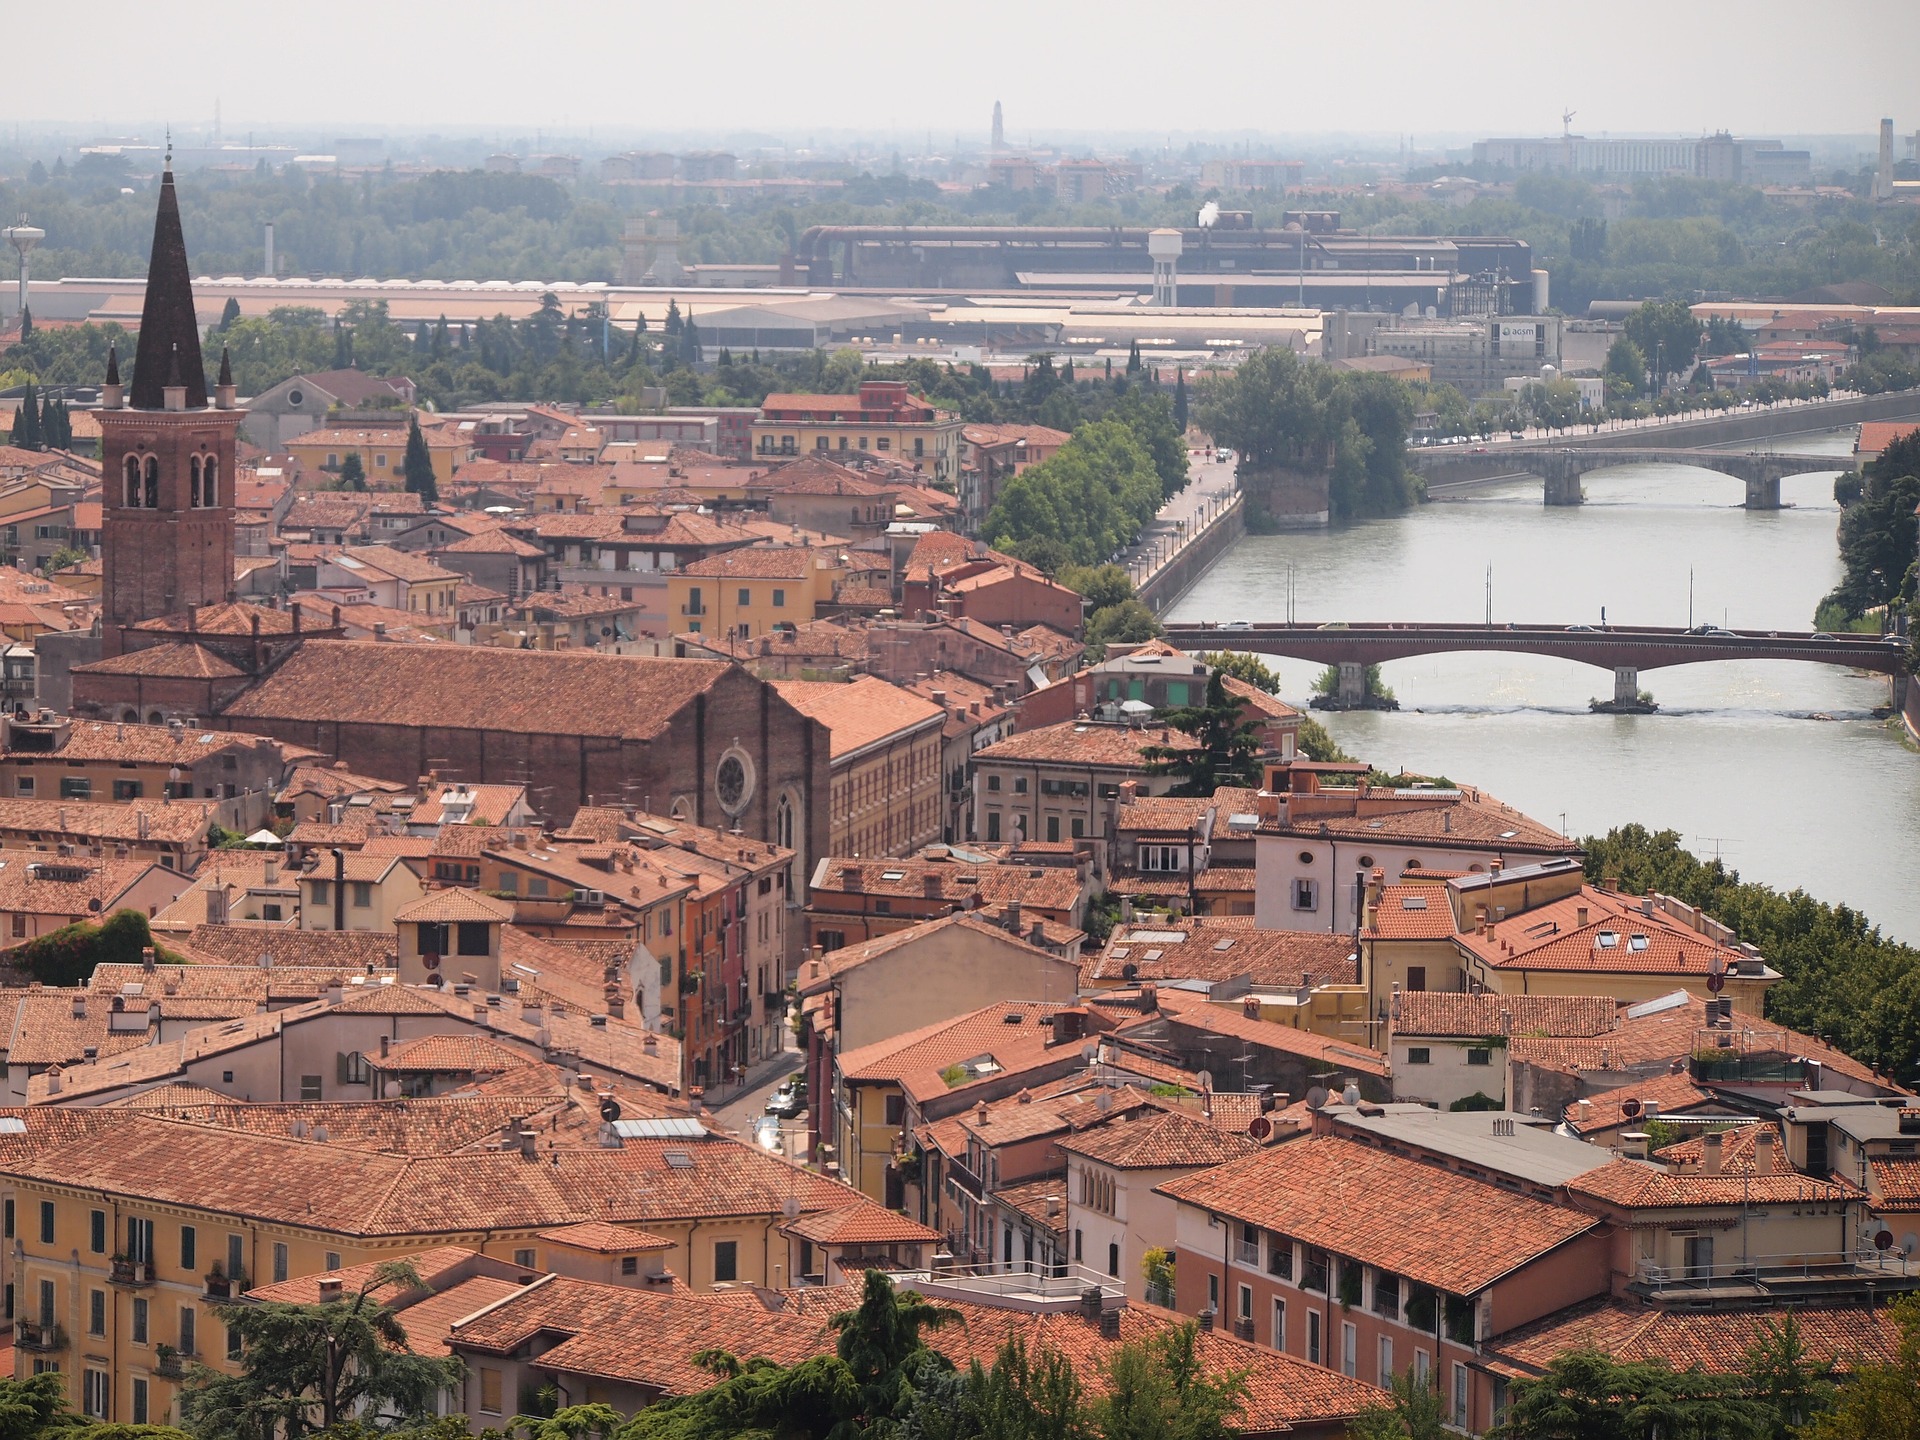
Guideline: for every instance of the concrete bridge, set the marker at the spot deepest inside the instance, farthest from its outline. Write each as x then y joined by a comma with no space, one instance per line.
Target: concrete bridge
1562,467
1626,650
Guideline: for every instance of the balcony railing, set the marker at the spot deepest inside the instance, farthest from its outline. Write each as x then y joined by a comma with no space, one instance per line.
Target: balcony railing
1247,1252
1161,1295
130,1272
1784,1272
31,1335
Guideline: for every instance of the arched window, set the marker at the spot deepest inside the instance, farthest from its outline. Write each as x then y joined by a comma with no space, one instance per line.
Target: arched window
156,718
152,500
682,809
133,480
210,482
783,823
193,482
132,717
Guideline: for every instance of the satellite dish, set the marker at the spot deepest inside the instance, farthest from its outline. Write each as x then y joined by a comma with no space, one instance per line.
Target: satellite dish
1260,1128
1089,1053
1316,1097
790,1208
1630,1109
1205,1077
609,1109
1883,1240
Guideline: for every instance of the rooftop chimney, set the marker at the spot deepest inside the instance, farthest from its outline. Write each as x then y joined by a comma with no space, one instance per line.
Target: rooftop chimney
1710,1153
1763,1151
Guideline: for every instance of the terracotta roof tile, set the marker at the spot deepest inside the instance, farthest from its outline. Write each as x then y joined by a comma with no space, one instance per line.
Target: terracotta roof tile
1635,1185
1083,742
1716,1340
604,1239
1197,948
1147,1140
1430,1224
1433,1012
479,688
865,1223
860,712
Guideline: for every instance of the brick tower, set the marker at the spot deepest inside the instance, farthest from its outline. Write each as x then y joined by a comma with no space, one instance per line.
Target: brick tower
167,463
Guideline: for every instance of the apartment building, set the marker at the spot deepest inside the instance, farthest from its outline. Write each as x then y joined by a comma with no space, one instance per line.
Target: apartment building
886,762
884,419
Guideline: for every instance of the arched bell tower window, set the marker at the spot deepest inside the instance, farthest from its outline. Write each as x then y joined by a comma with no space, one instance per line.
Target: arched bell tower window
210,482
193,481
152,500
133,480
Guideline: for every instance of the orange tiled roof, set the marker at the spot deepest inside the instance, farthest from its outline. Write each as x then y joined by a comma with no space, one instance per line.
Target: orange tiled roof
1634,1185
1084,742
1432,1225
1198,948
864,1223
1433,1012
604,1239
448,1055
1146,1140
1716,1341
463,687
861,712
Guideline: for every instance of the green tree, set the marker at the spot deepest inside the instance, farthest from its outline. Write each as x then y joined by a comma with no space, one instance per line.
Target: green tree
1157,1389
1841,978
26,422
68,956
1626,371
1180,399
1225,748
1127,623
1782,1376
1877,532
1412,1410
418,465
1242,666
229,313
36,1407
1019,1397
353,474
1099,585
1881,1400
1665,333
65,556
1587,1395
1317,745
306,1368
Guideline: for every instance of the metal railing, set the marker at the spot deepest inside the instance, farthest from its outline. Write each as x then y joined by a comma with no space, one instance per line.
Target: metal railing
1247,1252
1161,1295
1838,1265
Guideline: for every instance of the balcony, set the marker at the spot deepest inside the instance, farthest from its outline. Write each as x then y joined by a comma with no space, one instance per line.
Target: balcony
1161,1295
135,1273
171,1363
28,1335
1247,1252
221,1286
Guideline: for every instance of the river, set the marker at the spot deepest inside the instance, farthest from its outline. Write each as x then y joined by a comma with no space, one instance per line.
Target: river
1734,761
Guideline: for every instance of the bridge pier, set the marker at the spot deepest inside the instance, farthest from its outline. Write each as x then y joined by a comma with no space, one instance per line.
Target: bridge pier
1763,492
1353,684
1626,684
1563,488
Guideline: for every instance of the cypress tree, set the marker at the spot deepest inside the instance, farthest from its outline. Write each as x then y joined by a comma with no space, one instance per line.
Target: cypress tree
1180,399
353,474
673,317
419,465
230,314
440,338
26,424
26,323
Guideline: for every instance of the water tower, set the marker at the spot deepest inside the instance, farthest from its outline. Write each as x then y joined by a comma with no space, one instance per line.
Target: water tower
23,237
1163,248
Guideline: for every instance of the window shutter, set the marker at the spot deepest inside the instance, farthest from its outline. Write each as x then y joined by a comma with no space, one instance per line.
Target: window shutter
340,1067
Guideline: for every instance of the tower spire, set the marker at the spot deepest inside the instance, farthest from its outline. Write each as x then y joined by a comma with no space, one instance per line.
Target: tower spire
167,320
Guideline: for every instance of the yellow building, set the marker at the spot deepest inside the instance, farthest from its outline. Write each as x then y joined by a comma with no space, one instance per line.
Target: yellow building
382,451
743,594
127,1229
1541,930
884,419
886,746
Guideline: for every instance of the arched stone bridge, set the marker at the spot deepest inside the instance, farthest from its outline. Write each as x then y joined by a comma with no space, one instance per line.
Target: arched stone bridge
1562,467
1626,650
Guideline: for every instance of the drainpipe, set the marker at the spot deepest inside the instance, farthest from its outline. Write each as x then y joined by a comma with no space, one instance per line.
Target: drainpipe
339,889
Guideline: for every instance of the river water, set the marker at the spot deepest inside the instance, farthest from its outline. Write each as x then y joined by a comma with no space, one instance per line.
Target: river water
1734,761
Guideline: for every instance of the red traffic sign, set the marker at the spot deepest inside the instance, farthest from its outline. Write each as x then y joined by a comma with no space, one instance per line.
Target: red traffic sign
1260,1128
1716,983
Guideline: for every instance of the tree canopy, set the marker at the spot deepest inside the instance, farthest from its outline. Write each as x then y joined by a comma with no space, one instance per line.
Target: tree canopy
306,1368
1225,748
1281,412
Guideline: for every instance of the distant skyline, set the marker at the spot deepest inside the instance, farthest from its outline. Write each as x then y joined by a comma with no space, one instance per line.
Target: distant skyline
1471,68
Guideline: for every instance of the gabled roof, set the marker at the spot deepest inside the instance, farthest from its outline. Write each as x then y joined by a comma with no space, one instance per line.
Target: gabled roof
1636,1185
1716,1340
1157,1140
864,1223
450,906
1438,1013
1430,1224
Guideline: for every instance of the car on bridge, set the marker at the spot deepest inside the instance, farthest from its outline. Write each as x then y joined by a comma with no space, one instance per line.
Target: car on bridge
1236,625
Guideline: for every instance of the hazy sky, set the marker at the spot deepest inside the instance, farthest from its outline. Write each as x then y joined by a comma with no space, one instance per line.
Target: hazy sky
1374,67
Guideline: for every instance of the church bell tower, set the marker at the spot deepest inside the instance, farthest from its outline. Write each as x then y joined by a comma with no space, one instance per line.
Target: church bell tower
167,456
